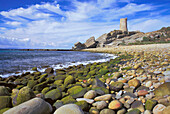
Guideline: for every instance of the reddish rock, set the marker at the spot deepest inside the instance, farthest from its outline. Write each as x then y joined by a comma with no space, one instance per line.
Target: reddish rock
142,92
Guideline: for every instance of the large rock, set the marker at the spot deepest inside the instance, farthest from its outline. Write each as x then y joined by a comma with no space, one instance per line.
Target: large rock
116,86
24,94
90,94
97,83
115,104
162,90
158,109
134,82
138,105
69,109
105,97
49,70
90,43
5,101
102,38
77,91
53,94
33,106
4,91
150,104
100,104
78,46
83,105
107,111
69,80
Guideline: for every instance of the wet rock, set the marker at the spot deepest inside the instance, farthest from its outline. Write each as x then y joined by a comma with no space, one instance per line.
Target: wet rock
31,83
33,106
69,80
69,109
5,102
97,83
150,104
49,70
107,111
121,111
53,94
138,105
90,101
143,88
42,78
90,94
101,90
77,91
24,94
68,99
94,110
103,71
134,82
158,109
4,91
100,104
131,90
34,69
40,86
162,90
83,105
58,104
142,92
116,86
117,75
129,94
115,104
134,111
105,97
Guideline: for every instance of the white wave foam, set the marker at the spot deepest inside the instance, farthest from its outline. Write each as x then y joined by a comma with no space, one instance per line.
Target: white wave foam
66,65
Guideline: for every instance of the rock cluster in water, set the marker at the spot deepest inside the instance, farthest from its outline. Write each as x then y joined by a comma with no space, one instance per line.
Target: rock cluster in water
133,83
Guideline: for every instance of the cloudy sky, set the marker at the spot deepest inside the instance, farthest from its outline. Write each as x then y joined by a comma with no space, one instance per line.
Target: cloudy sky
61,23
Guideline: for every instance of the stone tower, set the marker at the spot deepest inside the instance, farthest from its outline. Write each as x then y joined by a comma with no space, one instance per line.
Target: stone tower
123,25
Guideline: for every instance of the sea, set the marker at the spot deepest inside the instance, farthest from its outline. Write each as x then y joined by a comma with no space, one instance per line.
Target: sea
15,62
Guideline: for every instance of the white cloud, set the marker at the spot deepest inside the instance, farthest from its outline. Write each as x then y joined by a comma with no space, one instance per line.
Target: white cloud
13,23
53,27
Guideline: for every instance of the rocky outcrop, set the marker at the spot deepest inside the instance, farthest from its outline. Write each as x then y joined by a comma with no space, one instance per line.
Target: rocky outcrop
79,46
90,43
125,37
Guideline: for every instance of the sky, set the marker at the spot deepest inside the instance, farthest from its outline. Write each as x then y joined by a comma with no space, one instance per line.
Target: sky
61,23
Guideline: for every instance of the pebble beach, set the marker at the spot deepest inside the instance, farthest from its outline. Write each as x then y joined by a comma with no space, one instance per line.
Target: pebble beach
136,82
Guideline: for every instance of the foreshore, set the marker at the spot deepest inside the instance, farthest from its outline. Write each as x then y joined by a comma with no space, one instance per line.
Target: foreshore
137,81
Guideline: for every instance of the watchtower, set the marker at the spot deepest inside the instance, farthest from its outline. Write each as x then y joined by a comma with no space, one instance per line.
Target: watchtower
123,25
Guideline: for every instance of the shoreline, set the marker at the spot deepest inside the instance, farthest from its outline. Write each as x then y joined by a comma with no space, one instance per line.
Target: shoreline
138,80
63,65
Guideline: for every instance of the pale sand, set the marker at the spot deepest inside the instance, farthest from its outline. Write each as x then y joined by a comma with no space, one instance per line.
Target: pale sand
133,48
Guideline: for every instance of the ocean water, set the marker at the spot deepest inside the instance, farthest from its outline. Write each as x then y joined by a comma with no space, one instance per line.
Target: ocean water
12,61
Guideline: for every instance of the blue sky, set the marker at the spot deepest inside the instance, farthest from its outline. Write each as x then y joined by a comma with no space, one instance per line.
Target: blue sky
61,23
